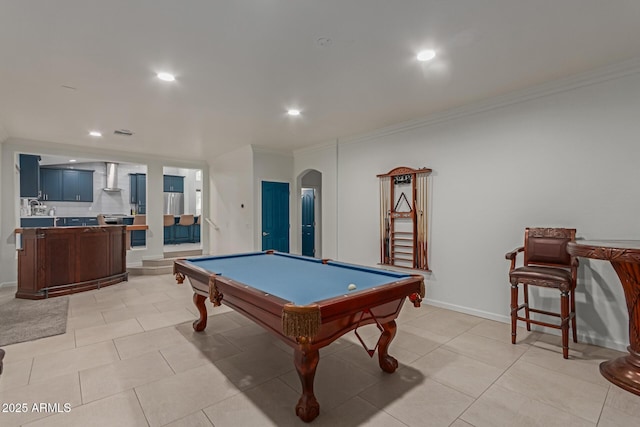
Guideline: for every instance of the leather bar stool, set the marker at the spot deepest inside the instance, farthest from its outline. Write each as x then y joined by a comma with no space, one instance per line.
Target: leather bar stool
546,264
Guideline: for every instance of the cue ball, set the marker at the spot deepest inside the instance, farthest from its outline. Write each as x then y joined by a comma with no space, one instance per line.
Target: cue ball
351,287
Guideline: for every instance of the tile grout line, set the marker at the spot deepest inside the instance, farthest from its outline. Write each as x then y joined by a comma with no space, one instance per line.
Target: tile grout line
603,405
141,407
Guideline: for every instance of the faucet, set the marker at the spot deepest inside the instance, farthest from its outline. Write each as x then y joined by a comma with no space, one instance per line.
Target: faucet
35,207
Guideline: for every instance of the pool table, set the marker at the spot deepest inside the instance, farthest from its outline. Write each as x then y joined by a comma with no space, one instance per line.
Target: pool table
306,302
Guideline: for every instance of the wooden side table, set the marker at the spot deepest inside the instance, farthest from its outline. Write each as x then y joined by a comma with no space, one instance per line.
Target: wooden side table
624,256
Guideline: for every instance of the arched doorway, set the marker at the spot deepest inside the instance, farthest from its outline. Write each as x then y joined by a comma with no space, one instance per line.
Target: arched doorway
310,208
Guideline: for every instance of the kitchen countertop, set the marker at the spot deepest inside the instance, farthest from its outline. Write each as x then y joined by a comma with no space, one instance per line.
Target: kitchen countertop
136,227
75,216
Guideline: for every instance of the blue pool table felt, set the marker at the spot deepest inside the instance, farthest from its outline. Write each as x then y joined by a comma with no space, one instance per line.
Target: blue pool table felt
297,279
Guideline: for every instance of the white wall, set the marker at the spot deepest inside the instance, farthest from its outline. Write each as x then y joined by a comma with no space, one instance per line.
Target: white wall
9,213
232,202
568,158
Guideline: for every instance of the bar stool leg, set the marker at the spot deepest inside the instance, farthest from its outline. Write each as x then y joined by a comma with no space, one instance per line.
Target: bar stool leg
526,305
514,311
573,310
564,316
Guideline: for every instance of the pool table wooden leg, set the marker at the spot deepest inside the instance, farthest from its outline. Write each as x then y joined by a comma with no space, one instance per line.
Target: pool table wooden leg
306,362
387,363
201,323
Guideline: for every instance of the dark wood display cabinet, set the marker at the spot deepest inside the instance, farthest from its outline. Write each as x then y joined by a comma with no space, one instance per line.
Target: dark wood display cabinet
56,261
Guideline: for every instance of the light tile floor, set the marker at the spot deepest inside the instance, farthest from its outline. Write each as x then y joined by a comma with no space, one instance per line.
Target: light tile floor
130,358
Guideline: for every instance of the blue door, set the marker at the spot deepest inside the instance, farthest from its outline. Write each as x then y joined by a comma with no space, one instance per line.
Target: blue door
275,216
308,222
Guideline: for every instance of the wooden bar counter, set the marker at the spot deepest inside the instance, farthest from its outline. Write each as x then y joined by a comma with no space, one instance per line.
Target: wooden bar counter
54,261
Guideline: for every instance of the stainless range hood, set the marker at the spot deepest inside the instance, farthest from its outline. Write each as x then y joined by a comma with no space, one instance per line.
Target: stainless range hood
112,177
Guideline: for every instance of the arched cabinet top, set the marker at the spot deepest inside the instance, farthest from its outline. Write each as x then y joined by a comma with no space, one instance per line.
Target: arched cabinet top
404,170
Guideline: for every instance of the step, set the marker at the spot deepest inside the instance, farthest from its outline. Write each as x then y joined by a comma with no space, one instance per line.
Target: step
159,262
164,265
183,253
150,271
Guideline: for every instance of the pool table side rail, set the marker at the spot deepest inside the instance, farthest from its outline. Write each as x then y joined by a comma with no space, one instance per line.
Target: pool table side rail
330,307
339,314
186,267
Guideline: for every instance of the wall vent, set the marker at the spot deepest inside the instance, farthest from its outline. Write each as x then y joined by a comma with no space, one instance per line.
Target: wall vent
123,132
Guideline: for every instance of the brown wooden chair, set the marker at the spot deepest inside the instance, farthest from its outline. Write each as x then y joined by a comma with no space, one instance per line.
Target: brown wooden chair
546,264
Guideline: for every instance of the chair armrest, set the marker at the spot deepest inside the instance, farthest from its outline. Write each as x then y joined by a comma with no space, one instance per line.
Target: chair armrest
512,256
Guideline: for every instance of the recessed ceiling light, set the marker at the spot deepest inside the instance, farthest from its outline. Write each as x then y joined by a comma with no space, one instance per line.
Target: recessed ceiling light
426,55
293,112
95,133
167,77
72,160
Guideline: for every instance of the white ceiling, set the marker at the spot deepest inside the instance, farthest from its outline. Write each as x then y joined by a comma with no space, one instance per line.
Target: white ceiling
241,63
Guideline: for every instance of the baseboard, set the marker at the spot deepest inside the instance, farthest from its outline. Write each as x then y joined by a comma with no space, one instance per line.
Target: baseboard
471,311
582,337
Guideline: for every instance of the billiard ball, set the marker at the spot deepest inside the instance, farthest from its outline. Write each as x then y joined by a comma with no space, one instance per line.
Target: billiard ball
351,287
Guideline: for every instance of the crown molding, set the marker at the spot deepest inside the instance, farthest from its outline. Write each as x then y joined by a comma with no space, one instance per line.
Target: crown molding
318,147
575,81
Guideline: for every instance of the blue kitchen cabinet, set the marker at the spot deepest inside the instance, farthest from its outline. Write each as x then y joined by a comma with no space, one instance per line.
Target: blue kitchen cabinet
182,233
177,234
50,184
37,221
138,190
78,221
169,233
178,184
133,189
138,237
29,176
85,186
173,184
91,220
77,185
142,193
196,232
